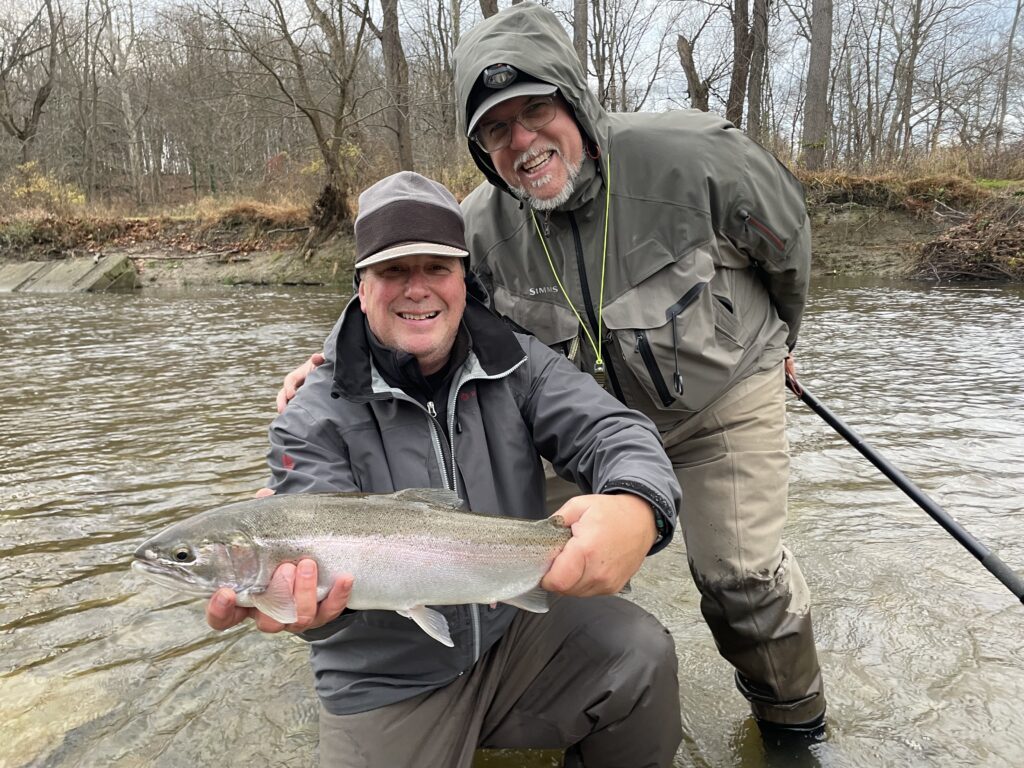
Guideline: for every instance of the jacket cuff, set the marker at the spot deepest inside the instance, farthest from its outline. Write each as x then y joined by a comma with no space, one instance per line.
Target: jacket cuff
664,511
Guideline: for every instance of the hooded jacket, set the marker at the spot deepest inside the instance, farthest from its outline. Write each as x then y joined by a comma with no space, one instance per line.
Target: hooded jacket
512,401
708,245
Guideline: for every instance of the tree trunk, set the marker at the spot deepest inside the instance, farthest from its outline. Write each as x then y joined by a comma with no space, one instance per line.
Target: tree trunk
1004,87
488,8
758,61
817,120
580,30
697,88
742,42
396,70
328,214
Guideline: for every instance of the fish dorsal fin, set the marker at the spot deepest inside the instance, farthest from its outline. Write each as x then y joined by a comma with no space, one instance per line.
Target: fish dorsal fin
276,601
431,622
537,600
440,496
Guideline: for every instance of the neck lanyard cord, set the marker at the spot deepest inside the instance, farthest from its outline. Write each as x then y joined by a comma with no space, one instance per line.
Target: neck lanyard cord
599,362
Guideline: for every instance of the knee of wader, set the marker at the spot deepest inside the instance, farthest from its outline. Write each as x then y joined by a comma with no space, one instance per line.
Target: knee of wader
738,591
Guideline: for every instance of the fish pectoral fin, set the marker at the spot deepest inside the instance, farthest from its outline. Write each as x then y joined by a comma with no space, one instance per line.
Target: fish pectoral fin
431,622
276,601
537,600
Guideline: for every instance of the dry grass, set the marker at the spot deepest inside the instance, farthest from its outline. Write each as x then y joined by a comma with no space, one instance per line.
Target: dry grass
209,225
891,191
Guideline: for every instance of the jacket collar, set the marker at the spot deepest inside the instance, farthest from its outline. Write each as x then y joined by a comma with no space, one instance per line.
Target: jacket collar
494,350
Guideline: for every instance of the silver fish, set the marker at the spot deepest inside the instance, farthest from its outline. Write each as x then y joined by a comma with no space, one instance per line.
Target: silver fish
405,550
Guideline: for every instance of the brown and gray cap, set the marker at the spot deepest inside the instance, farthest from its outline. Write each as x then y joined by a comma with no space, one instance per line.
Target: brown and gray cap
407,214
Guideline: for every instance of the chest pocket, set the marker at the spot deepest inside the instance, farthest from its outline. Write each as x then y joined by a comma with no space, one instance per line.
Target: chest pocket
677,333
552,323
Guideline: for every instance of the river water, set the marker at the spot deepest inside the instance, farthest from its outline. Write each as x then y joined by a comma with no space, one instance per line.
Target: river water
123,413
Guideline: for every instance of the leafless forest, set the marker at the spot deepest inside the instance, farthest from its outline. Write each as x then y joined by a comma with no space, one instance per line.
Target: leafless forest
152,103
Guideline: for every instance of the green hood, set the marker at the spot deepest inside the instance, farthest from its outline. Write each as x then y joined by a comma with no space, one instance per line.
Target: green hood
531,39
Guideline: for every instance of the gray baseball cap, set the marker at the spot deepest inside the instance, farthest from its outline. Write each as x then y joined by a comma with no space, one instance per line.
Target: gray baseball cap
521,88
407,214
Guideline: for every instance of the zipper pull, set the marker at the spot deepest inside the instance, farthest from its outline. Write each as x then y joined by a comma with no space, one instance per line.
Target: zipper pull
547,224
431,409
639,339
745,215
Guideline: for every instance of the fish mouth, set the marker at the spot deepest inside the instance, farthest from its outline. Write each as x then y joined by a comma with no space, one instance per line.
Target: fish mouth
169,575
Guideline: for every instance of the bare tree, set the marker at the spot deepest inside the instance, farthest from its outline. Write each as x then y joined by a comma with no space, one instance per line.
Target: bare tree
28,62
288,50
817,116
742,45
1004,87
580,30
396,74
758,64
697,88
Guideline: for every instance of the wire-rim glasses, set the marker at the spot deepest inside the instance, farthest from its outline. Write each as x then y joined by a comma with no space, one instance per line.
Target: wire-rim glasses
496,135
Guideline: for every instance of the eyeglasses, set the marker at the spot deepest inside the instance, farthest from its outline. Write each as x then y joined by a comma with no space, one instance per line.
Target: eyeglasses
491,137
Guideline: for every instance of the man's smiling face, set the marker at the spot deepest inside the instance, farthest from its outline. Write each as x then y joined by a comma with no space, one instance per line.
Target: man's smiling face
538,165
415,304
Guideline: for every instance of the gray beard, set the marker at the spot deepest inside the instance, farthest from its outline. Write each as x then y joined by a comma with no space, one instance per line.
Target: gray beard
551,203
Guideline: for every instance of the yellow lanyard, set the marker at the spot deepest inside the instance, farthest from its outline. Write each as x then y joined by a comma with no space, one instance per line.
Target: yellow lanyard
599,362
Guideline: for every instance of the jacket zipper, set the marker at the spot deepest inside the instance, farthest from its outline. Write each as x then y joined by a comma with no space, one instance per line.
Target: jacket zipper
766,233
644,348
451,484
588,304
474,609
437,437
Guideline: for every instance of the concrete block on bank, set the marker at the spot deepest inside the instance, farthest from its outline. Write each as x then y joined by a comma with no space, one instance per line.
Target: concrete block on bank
74,275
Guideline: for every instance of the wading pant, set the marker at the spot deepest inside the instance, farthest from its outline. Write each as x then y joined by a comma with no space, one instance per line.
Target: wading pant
732,461
596,672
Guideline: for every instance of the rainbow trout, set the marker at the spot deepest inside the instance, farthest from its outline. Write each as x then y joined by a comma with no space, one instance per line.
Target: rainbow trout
405,550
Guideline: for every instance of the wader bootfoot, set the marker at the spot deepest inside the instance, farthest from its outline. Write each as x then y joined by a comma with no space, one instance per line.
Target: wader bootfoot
805,733
763,745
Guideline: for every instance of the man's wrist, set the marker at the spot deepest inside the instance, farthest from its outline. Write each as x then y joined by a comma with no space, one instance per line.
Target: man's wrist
664,515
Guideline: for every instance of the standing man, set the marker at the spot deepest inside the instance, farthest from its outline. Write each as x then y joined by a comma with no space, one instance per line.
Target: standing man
426,388
668,255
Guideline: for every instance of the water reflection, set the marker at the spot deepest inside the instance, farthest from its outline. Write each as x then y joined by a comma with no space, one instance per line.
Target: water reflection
124,413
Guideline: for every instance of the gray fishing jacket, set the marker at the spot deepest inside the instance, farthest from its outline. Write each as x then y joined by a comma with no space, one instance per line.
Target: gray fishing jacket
512,401
708,245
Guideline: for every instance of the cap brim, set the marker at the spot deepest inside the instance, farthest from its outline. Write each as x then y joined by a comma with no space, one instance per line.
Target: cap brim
411,249
515,90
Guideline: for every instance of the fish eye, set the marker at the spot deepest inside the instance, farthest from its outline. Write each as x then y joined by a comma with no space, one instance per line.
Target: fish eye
182,554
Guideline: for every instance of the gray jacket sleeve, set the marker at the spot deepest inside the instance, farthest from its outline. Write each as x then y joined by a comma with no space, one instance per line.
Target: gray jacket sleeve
307,454
593,439
766,217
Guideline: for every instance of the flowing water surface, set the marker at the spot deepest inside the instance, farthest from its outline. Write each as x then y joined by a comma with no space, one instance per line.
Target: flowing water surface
123,413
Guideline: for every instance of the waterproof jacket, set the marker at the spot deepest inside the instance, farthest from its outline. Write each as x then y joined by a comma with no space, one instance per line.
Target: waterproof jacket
512,401
708,244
